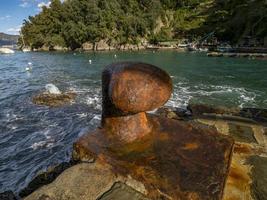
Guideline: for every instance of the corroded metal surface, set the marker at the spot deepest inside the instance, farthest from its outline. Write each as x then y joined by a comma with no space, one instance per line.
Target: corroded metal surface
131,87
175,161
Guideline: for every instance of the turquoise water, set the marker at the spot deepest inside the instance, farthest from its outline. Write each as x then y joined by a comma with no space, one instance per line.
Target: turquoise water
34,137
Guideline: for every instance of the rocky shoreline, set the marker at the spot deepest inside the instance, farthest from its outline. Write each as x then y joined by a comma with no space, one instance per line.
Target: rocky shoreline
247,175
202,152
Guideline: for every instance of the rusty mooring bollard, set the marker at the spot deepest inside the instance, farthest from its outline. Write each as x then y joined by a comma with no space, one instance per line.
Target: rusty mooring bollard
129,89
172,159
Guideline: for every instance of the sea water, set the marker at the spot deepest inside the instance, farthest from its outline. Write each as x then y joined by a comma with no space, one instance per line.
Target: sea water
33,137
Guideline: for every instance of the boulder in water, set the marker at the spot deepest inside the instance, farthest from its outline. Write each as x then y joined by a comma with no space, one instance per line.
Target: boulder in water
54,100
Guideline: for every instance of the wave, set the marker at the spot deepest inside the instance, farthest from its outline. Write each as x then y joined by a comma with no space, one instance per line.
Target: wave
225,95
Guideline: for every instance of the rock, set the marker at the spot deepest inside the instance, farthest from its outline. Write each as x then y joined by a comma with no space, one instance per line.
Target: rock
102,45
200,109
238,181
247,176
167,112
254,113
54,100
121,191
60,48
259,176
174,113
88,46
44,178
8,195
87,182
241,133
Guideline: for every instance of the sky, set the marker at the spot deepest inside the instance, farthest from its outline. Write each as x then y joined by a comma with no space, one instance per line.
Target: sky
13,12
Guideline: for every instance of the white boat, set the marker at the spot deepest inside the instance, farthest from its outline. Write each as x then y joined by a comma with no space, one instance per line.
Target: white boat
183,45
6,51
203,49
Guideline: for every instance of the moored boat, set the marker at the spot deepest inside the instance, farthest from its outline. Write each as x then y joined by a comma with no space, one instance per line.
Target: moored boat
6,50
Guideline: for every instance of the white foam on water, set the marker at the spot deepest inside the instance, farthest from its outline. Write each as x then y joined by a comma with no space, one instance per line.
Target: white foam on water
95,120
82,115
89,96
43,144
52,89
180,97
46,134
36,145
94,101
183,93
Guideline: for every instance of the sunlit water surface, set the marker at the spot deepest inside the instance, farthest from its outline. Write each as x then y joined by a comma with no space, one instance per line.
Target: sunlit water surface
33,137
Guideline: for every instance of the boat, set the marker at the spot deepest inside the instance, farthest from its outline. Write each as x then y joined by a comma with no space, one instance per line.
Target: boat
6,50
182,45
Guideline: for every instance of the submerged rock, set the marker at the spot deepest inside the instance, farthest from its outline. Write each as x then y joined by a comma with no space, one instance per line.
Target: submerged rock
54,100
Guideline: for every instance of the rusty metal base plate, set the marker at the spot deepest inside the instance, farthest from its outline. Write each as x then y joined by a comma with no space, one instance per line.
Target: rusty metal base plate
177,160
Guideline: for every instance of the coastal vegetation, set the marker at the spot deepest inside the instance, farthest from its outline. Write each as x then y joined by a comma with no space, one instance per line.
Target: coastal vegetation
118,22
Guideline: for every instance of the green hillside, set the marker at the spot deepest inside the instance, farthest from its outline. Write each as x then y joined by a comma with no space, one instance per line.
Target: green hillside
74,22
6,39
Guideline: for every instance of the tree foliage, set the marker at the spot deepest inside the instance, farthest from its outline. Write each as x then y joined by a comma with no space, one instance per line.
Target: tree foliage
74,22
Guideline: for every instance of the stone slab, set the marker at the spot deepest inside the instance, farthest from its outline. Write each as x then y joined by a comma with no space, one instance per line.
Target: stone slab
88,181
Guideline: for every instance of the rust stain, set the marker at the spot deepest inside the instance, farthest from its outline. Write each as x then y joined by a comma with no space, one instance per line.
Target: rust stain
243,148
190,146
238,181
